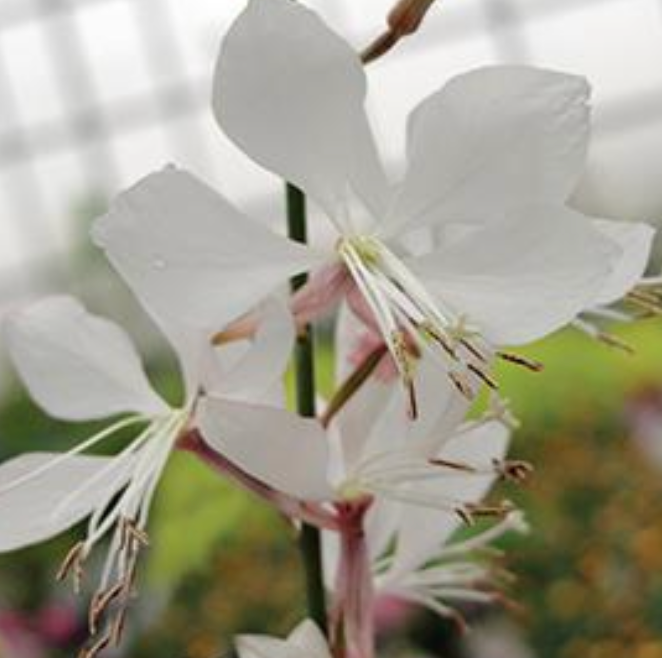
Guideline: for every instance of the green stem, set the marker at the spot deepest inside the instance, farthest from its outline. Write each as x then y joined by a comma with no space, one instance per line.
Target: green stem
310,540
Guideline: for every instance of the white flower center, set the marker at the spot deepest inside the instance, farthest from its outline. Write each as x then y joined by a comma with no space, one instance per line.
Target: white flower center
408,317
404,476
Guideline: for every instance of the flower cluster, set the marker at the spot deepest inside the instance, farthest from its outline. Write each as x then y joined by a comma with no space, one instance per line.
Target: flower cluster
434,278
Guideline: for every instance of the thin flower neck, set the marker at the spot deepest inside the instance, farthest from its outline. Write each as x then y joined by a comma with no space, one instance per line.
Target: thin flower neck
291,507
352,626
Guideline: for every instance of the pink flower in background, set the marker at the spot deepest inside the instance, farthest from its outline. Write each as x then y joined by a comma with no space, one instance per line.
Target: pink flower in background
35,634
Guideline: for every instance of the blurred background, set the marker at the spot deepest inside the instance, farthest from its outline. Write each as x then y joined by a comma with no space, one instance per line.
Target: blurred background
96,93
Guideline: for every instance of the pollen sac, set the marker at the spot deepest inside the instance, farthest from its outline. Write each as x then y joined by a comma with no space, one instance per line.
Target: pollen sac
648,300
513,470
108,608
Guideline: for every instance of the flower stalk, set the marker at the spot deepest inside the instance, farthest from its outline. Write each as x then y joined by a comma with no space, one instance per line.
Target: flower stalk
304,360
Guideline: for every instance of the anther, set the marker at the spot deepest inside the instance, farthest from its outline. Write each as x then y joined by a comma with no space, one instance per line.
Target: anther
456,466
613,341
513,471
485,377
100,603
471,511
428,329
468,345
129,579
132,535
646,301
138,535
401,352
519,360
412,403
461,384
72,565
96,648
117,627
644,295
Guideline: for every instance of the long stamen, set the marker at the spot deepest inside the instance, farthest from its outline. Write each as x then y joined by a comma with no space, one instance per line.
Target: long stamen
78,449
97,477
127,516
405,311
393,335
436,606
514,521
134,493
608,339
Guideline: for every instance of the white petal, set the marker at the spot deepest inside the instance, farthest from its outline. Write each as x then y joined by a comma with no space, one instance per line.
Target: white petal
635,240
491,139
381,523
305,641
285,451
525,278
76,365
355,422
264,360
423,531
441,408
290,93
192,259
308,637
330,557
359,419
31,511
262,646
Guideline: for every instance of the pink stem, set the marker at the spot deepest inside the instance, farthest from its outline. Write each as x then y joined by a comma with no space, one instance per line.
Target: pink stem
311,513
352,618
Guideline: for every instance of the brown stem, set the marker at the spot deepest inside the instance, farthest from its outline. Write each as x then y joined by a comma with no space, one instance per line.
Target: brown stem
404,19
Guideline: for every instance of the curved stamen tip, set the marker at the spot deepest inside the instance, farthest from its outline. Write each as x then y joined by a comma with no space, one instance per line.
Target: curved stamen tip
513,470
470,512
99,646
108,608
73,565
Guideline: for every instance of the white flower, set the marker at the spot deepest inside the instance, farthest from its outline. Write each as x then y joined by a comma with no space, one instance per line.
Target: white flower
369,448
408,536
79,366
430,569
496,152
305,641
